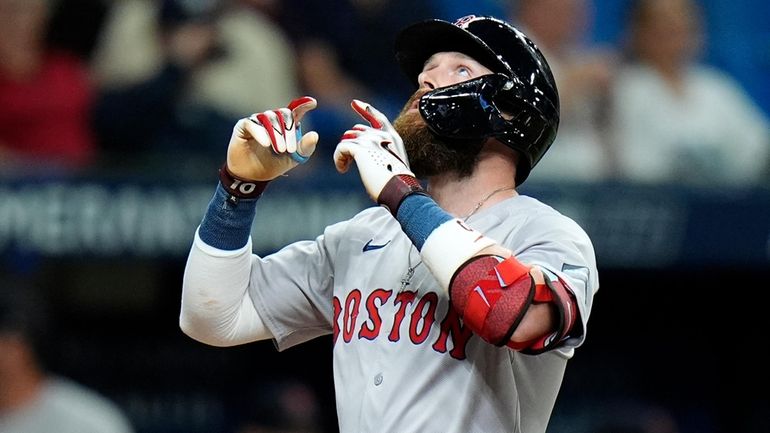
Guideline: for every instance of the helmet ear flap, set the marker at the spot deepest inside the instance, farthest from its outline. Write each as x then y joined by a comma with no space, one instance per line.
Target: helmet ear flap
467,110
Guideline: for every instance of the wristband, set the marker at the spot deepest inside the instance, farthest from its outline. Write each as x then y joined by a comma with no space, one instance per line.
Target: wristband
419,215
397,189
239,188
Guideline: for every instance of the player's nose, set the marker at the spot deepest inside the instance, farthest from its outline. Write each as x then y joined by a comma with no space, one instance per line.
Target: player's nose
427,80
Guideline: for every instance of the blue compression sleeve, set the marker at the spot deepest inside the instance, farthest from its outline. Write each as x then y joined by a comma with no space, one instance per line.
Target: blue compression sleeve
225,225
419,215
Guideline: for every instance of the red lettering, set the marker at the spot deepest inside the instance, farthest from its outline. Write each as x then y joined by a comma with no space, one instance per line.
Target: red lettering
421,320
371,332
417,337
403,299
337,310
351,314
460,335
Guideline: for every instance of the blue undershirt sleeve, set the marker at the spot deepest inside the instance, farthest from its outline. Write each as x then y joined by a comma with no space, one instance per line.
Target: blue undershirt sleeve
227,225
419,215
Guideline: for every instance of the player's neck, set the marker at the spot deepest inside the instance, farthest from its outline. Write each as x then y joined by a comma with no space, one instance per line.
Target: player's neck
462,196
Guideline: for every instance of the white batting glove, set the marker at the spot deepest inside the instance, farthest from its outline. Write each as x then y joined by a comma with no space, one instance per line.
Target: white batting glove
266,145
377,150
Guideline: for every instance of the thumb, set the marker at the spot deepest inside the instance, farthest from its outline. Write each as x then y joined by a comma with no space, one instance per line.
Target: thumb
344,155
307,144
370,114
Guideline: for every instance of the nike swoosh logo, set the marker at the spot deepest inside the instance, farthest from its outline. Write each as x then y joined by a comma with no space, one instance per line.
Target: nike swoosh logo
369,246
385,144
483,296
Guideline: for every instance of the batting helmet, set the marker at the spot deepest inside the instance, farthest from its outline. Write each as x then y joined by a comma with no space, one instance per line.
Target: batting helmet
523,87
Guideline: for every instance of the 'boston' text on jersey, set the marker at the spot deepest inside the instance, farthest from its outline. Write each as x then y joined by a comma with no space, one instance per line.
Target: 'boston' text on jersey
420,320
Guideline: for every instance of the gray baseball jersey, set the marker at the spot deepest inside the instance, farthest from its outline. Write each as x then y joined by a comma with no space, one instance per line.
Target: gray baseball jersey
403,361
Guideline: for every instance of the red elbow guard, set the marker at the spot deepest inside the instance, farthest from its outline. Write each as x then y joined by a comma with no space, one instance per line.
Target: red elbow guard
492,295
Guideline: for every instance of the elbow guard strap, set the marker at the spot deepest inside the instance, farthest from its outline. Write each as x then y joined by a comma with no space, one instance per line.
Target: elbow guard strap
554,291
491,295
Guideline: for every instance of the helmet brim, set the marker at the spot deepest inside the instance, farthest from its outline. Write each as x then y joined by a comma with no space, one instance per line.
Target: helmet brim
416,43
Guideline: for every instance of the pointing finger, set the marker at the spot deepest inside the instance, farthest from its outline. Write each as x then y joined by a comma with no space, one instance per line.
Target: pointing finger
300,106
275,129
257,131
286,120
369,113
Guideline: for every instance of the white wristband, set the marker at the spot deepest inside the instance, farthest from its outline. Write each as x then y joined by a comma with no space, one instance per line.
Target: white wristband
449,246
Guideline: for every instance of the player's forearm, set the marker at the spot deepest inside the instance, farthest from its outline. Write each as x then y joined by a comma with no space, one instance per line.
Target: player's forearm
216,306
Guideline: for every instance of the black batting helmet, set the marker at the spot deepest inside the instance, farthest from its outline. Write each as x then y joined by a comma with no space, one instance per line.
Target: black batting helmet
523,87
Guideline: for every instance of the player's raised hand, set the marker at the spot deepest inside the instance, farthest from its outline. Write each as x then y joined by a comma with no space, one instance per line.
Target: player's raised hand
377,149
266,145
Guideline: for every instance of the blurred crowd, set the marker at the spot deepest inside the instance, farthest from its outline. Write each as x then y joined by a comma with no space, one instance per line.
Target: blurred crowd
111,86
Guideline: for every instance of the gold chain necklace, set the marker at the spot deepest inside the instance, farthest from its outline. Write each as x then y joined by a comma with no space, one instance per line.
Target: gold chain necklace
410,269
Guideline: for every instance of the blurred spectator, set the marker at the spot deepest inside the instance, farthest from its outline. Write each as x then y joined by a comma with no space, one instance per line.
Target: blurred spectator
33,400
322,75
128,49
340,44
361,34
75,25
45,95
176,75
675,119
583,73
255,50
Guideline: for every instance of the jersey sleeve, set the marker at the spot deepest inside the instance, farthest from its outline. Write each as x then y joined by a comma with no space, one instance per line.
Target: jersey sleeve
232,297
292,288
216,308
559,245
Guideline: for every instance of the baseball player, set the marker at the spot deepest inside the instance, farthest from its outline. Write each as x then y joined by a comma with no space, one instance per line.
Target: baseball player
455,304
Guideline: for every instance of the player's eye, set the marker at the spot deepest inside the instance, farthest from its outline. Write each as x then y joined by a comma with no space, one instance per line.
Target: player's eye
464,71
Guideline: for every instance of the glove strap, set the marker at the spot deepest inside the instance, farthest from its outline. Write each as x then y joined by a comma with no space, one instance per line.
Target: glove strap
239,188
397,189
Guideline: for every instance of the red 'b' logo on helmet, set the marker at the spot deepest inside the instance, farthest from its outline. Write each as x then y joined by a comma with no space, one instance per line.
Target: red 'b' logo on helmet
464,21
